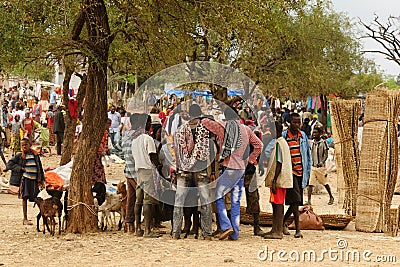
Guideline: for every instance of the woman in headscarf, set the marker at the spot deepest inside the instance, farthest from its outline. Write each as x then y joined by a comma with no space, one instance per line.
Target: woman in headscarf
99,175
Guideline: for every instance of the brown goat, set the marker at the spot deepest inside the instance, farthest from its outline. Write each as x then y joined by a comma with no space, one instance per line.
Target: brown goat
121,189
48,209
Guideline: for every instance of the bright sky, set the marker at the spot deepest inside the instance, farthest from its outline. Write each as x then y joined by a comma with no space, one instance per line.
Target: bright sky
366,10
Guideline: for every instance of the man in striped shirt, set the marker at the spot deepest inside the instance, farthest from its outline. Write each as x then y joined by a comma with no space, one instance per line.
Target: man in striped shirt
301,166
130,175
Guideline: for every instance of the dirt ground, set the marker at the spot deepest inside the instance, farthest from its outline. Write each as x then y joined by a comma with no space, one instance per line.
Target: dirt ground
22,245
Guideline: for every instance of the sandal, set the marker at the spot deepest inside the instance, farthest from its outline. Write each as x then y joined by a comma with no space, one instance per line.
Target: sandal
298,235
27,222
152,235
259,232
226,233
139,233
285,230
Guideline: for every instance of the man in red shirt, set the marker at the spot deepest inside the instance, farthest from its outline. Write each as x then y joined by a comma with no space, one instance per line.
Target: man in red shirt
234,139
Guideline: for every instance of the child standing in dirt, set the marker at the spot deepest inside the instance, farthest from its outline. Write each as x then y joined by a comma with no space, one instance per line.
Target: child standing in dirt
27,173
319,155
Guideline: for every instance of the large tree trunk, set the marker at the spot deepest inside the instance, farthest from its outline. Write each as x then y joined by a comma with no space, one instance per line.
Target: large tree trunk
81,218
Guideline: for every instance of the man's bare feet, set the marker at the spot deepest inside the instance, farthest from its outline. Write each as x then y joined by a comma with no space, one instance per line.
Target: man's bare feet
27,222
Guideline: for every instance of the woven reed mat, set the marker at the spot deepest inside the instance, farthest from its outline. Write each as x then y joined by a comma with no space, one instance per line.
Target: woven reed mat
345,114
378,162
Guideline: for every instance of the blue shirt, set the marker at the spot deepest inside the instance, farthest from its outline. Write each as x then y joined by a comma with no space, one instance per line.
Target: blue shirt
286,116
269,148
53,97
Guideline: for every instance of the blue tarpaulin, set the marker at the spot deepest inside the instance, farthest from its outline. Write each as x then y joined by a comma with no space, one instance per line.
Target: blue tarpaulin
178,93
181,93
236,92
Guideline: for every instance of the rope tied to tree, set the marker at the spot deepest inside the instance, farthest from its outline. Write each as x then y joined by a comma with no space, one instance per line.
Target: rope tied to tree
77,203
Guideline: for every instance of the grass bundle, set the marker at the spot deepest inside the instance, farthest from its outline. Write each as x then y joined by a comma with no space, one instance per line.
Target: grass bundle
378,161
345,114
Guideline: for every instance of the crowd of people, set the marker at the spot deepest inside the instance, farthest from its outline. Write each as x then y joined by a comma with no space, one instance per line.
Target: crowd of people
26,114
200,150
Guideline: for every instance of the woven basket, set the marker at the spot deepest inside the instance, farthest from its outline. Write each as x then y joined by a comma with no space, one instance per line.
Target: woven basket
330,221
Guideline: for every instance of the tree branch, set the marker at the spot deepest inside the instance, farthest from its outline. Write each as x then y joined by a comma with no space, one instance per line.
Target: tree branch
78,26
385,36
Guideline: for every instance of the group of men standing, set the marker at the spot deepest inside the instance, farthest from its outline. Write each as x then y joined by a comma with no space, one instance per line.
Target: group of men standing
197,147
195,150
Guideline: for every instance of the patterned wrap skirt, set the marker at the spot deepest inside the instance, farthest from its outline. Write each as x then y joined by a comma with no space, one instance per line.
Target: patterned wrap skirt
16,143
50,125
99,174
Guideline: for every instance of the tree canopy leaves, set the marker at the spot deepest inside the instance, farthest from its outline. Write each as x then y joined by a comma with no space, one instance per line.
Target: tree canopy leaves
289,48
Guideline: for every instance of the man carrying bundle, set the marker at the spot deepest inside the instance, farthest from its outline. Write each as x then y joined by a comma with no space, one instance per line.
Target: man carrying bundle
278,179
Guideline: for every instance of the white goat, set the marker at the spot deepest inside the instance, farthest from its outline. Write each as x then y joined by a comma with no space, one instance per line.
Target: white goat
111,204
